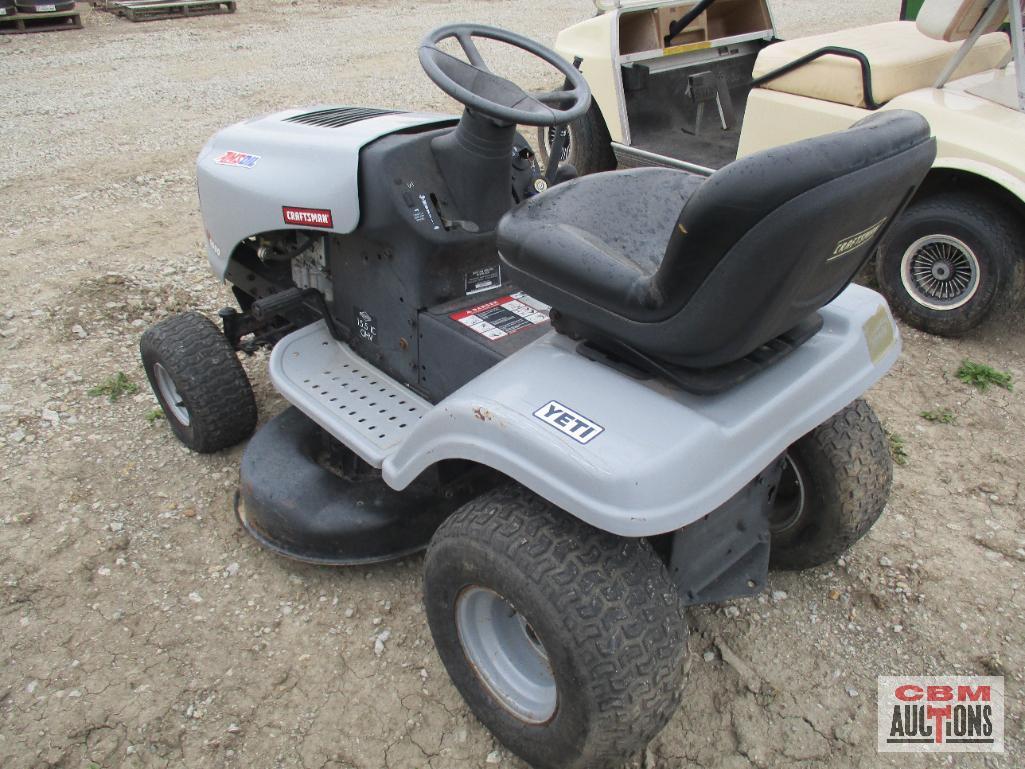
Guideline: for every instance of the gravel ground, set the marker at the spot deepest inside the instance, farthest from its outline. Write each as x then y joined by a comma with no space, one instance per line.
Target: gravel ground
141,627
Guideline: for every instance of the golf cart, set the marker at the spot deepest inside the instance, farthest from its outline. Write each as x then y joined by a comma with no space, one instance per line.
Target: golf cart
694,85
591,413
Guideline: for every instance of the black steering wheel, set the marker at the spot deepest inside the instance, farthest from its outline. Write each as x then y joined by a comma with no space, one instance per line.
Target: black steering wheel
480,89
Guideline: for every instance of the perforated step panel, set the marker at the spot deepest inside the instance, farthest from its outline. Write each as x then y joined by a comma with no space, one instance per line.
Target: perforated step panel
363,408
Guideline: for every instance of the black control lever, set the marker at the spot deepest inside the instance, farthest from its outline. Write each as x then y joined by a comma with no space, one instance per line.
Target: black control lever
291,299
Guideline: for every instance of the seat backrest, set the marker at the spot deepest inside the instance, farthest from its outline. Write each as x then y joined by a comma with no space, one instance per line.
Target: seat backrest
772,237
954,20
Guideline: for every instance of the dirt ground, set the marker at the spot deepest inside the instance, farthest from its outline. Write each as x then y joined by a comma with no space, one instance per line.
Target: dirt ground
139,626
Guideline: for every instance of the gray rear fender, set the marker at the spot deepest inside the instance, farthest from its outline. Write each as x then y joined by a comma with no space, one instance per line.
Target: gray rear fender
638,457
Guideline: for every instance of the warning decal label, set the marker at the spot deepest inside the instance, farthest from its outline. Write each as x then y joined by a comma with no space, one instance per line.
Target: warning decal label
504,316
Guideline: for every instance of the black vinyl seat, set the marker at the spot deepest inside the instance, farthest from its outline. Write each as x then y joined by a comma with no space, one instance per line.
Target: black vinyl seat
699,273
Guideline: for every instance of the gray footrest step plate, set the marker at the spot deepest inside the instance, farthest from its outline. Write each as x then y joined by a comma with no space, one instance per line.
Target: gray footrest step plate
363,408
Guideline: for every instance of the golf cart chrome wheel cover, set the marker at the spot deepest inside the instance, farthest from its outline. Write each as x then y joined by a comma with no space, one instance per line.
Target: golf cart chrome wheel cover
788,506
506,655
170,394
549,139
940,272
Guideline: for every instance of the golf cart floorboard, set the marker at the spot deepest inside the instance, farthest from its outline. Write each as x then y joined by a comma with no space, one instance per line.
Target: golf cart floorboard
154,10
352,400
21,23
713,153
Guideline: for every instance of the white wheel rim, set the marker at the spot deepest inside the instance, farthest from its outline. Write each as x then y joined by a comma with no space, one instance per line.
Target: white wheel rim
940,272
550,141
506,654
788,506
169,394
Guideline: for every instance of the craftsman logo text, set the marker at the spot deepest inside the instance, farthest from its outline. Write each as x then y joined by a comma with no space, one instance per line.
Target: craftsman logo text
852,242
941,714
307,217
578,427
238,159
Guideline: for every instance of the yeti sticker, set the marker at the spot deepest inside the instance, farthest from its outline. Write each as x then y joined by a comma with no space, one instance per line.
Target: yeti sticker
565,420
852,242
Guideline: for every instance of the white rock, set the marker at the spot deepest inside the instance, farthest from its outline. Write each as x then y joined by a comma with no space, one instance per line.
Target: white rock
494,757
195,597
116,526
383,636
17,436
78,331
349,613
732,611
103,571
884,561
231,569
779,595
51,416
852,692
708,656
32,686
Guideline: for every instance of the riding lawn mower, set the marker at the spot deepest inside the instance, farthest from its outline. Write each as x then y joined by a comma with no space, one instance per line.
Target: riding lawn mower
594,401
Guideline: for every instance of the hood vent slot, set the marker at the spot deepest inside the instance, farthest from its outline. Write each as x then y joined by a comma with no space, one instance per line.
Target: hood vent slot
336,117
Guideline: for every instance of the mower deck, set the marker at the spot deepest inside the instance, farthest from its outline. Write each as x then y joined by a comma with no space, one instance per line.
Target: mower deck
307,498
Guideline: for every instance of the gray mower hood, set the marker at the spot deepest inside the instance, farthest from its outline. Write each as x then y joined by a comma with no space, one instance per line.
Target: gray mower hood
296,169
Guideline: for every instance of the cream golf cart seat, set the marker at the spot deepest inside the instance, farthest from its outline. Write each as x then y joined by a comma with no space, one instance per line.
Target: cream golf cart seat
869,66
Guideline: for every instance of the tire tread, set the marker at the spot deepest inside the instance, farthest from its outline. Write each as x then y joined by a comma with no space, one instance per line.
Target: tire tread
208,374
614,594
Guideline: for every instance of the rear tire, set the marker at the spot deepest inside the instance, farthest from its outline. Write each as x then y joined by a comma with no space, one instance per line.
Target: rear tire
590,146
520,588
949,262
834,487
201,386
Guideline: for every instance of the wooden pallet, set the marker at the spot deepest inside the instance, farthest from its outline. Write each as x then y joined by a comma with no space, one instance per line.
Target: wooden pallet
152,10
56,21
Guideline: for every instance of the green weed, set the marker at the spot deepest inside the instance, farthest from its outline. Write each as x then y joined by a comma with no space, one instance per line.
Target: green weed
982,376
942,416
898,449
114,387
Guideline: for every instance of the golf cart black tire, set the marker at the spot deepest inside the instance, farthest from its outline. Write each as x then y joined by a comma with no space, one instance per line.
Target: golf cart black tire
590,148
209,378
846,470
984,226
603,606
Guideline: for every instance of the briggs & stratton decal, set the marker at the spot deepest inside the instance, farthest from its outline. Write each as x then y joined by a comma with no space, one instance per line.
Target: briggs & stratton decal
240,159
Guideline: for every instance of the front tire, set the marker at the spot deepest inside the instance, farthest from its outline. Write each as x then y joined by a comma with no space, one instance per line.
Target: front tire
949,262
565,641
202,388
835,484
590,146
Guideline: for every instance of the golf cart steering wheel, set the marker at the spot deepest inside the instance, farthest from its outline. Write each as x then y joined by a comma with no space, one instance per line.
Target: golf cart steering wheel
481,90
